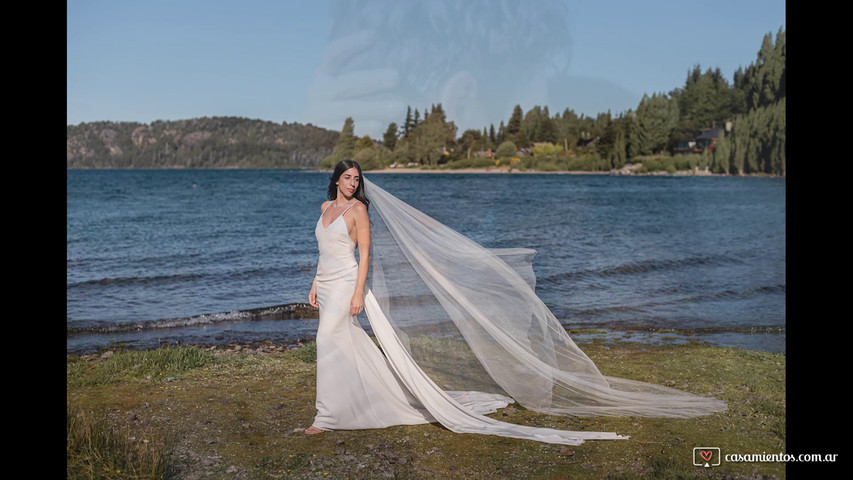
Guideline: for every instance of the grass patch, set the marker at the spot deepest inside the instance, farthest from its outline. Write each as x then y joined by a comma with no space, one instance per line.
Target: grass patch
159,363
307,353
242,415
660,468
94,449
586,331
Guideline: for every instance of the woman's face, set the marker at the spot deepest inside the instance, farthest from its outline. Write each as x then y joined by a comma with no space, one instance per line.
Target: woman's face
348,183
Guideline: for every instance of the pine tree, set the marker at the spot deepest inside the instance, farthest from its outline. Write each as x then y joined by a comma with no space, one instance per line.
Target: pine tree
633,135
738,93
430,138
740,136
722,98
777,148
548,132
409,123
765,81
722,154
613,144
344,147
780,55
566,128
657,117
757,139
514,124
531,125
389,139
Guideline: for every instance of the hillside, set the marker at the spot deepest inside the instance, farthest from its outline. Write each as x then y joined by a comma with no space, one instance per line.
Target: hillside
208,142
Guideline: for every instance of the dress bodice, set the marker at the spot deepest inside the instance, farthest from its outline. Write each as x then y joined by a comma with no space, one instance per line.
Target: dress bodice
337,250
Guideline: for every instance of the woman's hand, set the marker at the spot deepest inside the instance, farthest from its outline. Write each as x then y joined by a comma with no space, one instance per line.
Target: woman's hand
356,305
312,296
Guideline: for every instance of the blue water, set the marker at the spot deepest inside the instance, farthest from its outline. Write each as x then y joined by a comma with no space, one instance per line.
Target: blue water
619,254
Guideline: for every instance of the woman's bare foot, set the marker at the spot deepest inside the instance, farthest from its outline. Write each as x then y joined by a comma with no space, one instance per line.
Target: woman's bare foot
312,430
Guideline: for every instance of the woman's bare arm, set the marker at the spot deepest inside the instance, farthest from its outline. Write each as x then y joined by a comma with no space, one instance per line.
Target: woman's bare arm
312,295
362,226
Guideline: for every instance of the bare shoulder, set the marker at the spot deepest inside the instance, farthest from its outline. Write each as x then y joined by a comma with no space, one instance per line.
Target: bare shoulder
324,205
359,207
359,210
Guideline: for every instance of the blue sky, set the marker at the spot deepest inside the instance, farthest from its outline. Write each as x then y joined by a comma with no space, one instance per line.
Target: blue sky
321,61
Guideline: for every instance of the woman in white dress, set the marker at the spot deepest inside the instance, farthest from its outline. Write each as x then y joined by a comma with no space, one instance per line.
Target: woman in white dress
441,302
356,388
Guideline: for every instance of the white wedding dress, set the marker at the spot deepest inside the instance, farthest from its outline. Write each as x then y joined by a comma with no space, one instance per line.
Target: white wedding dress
356,387
503,346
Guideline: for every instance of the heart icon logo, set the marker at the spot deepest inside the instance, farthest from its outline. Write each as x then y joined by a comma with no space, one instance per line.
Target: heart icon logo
705,456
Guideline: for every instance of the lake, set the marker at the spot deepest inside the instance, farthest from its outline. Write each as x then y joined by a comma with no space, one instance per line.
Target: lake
159,256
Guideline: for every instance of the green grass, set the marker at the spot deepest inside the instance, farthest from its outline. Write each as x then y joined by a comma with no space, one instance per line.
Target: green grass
96,450
307,353
661,468
248,411
164,362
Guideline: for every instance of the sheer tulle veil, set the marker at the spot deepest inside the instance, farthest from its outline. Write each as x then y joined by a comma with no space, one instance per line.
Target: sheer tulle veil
467,318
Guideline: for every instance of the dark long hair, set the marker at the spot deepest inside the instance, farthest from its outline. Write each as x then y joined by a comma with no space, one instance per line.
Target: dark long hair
340,168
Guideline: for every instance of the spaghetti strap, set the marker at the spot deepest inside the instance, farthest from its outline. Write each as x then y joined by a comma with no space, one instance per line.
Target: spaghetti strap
323,215
345,211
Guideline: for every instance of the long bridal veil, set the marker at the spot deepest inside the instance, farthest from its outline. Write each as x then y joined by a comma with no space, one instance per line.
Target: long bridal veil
468,318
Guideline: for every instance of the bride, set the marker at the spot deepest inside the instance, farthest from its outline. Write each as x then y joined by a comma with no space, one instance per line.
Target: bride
461,331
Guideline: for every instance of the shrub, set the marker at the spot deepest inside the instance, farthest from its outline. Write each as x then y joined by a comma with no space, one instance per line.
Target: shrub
480,162
506,149
368,158
548,167
546,149
586,163
461,163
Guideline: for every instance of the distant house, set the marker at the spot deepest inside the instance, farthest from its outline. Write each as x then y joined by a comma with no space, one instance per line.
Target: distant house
485,153
706,140
586,141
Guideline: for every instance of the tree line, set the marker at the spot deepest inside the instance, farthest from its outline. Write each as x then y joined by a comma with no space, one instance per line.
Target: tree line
753,104
209,142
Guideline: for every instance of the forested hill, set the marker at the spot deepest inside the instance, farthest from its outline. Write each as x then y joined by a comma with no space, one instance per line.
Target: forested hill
208,142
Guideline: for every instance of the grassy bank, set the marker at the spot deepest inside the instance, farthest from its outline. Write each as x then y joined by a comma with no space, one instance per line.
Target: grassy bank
645,165
239,412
